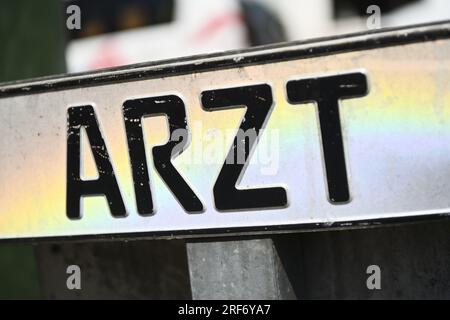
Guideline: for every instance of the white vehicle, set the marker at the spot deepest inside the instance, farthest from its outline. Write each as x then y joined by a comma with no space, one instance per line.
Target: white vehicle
199,26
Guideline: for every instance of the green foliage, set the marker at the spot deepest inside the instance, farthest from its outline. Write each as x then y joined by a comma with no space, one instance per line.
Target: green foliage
32,45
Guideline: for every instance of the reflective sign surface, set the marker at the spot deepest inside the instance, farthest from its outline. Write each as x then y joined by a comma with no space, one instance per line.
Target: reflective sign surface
342,132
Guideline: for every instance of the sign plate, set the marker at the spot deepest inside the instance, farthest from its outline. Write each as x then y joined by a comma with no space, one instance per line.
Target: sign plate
340,132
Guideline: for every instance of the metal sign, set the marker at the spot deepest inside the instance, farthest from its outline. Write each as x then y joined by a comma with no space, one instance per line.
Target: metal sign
340,132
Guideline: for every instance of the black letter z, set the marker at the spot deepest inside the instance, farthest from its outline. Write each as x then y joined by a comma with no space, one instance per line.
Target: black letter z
258,101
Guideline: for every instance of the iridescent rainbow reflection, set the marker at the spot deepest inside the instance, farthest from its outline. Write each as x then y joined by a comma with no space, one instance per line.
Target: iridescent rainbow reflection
397,142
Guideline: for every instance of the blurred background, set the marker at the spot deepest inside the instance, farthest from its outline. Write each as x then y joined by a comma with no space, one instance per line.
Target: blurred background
119,32
37,42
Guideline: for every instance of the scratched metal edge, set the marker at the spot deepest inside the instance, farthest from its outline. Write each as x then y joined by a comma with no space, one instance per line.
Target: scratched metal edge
215,233
257,55
233,59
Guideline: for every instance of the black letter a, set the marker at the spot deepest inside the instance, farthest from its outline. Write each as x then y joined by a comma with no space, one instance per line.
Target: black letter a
106,183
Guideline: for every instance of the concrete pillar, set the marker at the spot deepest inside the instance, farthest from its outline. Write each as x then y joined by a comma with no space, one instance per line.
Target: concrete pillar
237,269
414,260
